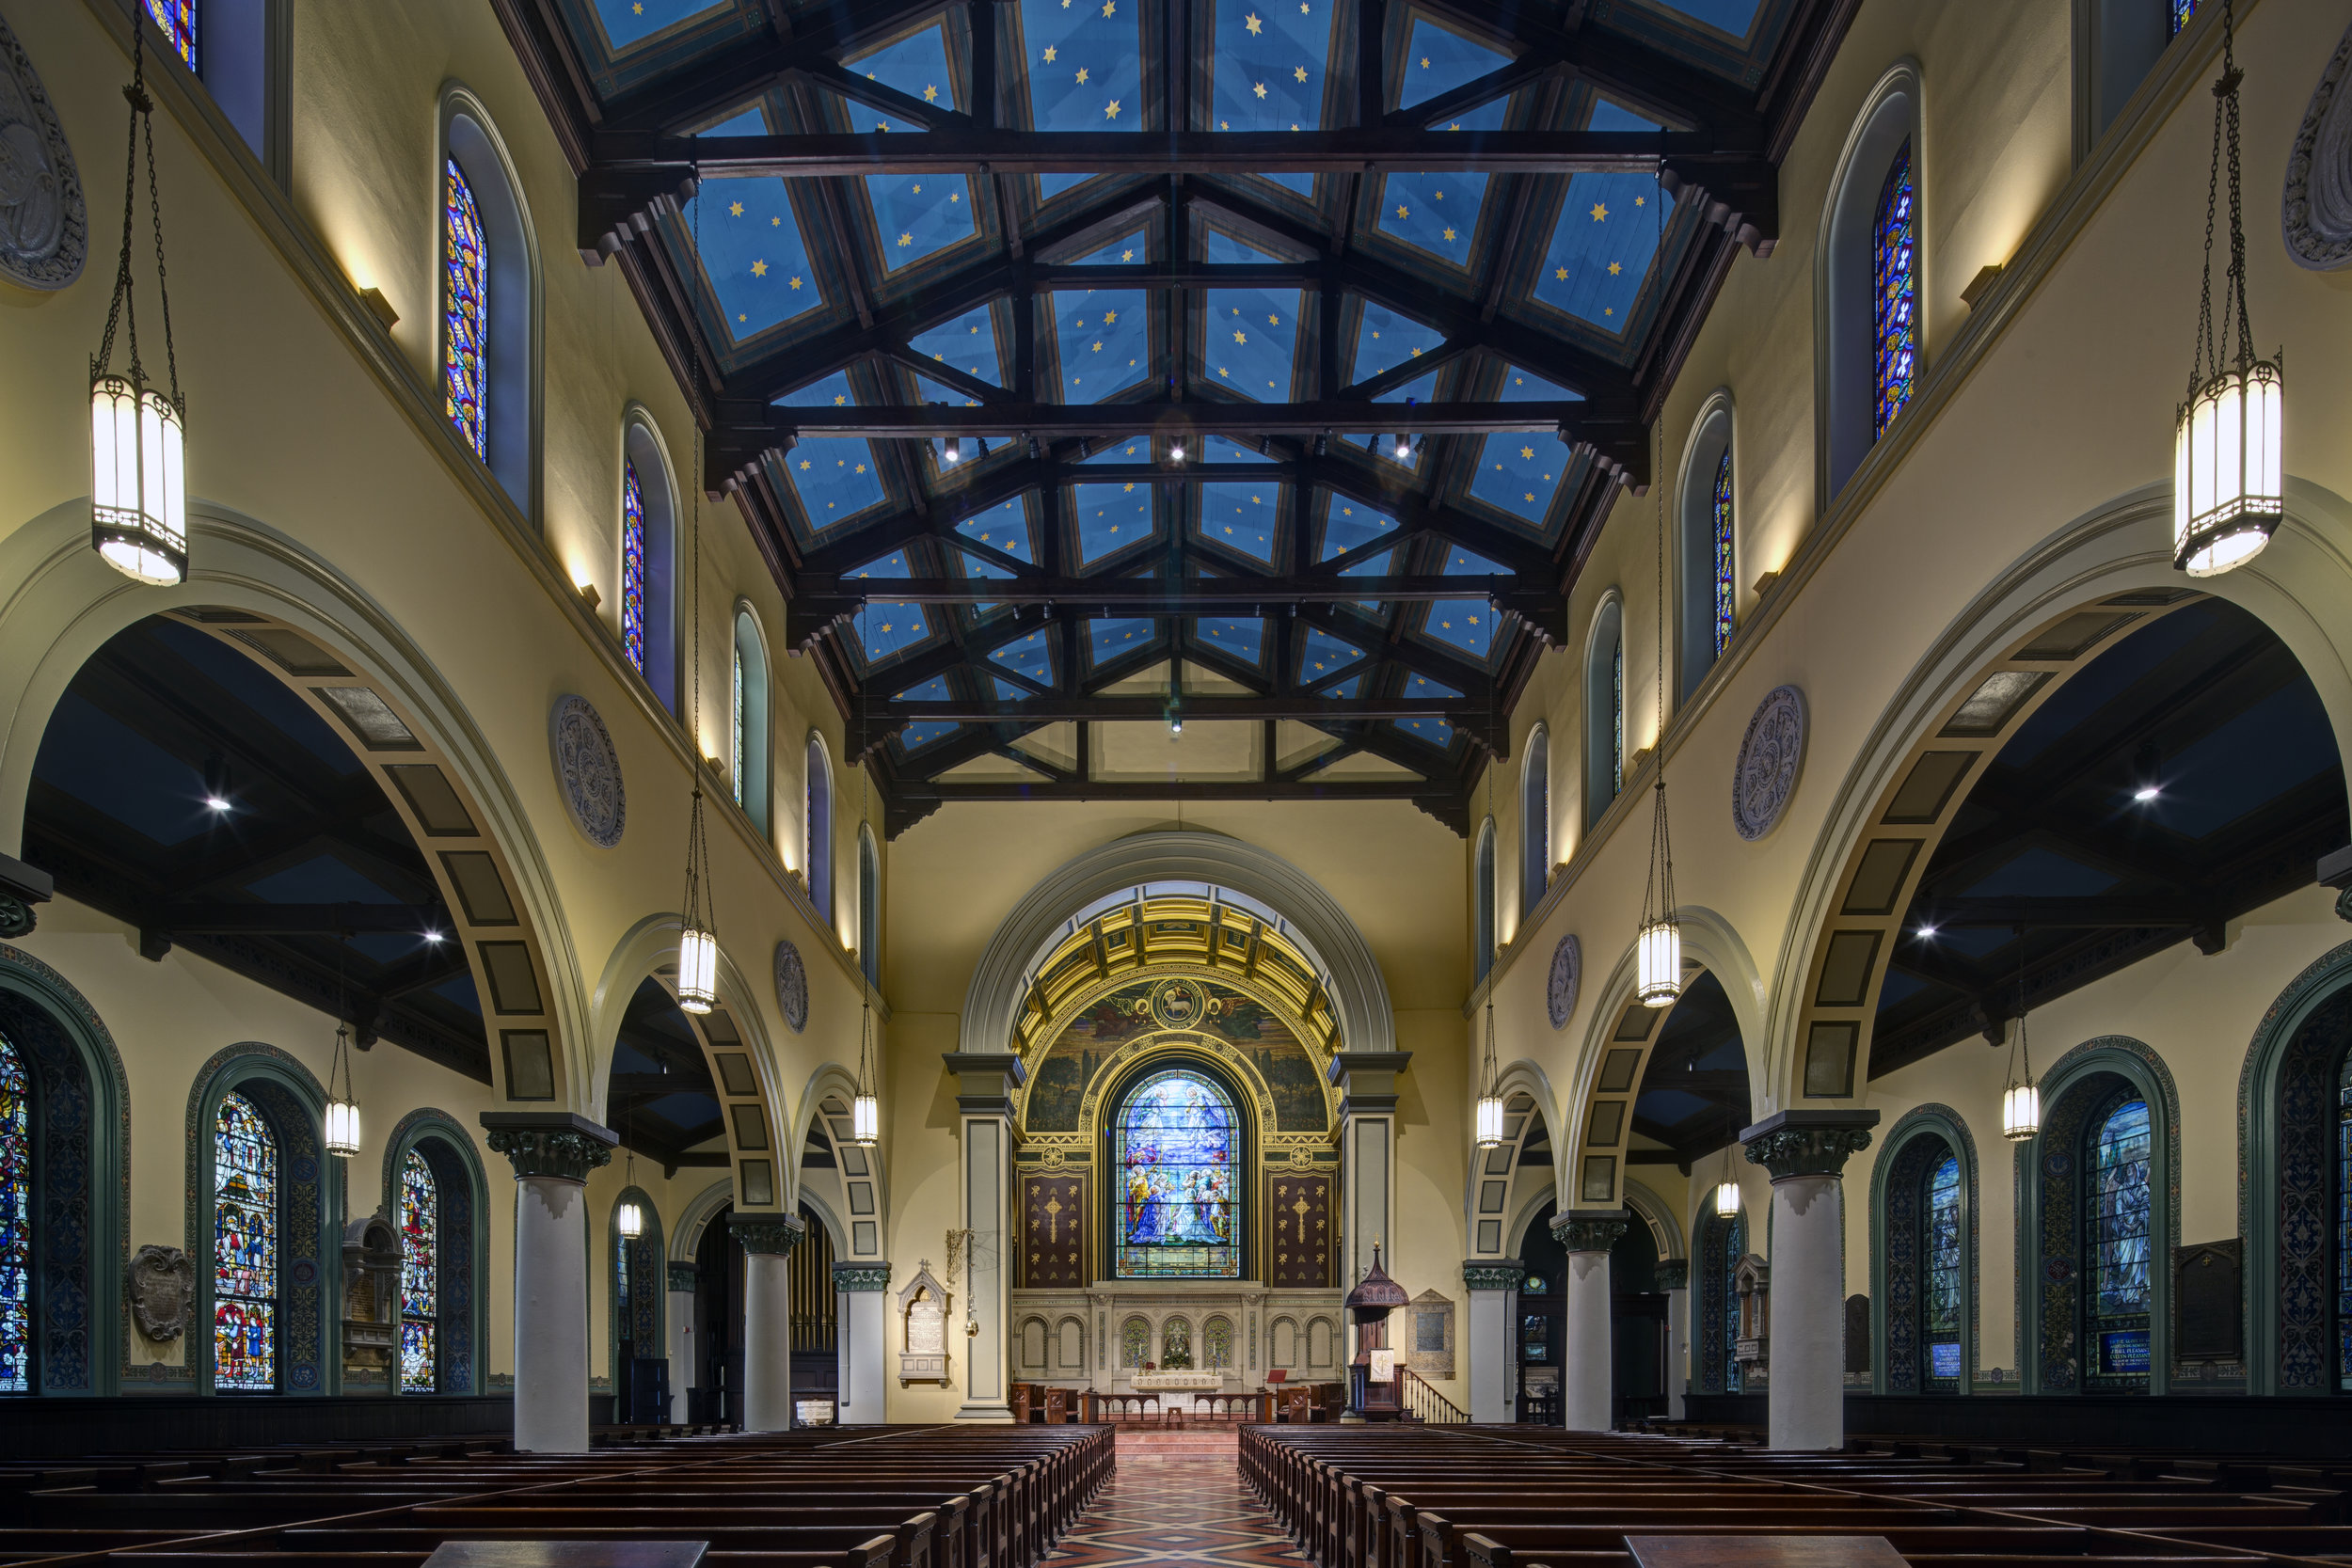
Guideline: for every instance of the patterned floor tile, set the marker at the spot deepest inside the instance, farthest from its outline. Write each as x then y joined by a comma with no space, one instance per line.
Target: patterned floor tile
1176,1512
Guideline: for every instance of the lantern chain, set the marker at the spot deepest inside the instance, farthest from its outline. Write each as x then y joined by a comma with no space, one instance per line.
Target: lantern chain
155,216
123,309
1660,882
2225,132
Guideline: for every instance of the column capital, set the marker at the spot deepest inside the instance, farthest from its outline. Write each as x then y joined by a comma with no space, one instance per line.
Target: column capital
1807,1143
861,1277
770,1235
987,1080
682,1275
1492,1274
560,1144
1673,1274
1367,1079
1590,1230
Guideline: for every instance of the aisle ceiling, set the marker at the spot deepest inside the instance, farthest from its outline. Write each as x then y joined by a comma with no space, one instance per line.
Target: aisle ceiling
1071,232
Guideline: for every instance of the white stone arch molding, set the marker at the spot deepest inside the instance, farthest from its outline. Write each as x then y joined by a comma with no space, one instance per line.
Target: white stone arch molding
836,1080
736,1026
1360,995
2300,588
1656,1212
686,1233
1520,1083
1615,1053
1892,113
465,130
68,603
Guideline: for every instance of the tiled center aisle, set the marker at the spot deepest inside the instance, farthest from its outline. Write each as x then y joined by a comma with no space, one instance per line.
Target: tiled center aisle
1177,1501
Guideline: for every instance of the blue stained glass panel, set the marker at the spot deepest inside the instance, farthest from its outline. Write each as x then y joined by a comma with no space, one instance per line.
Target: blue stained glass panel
1322,654
2124,1352
1944,1360
1437,60
627,22
1118,636
464,310
1269,68
1103,341
1028,656
1177,1151
16,1222
245,1248
419,1273
1435,213
1735,1247
1520,472
177,18
1895,288
1941,1274
1002,528
1110,517
1616,717
1465,623
967,343
1085,67
1242,635
1602,246
1434,731
1351,525
2120,1255
633,567
2177,15
1250,338
1720,516
1385,340
750,242
1241,517
919,215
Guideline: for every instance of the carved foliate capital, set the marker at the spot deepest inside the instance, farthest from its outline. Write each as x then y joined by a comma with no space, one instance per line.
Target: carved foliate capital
1588,1232
562,1146
1493,1274
861,1277
1673,1274
768,1235
1807,1143
681,1276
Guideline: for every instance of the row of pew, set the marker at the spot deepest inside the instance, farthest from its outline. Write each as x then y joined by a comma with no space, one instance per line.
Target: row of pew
859,1497
1405,1496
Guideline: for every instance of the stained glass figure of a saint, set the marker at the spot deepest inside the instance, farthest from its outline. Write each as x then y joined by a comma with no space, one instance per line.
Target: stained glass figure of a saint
245,1248
16,1222
419,1273
1177,1153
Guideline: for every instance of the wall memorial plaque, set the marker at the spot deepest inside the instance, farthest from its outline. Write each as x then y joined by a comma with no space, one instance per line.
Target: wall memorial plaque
2206,1302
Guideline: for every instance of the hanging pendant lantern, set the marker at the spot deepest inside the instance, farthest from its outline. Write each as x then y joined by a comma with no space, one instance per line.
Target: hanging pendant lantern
2229,490
1727,1199
698,944
340,1130
1658,955
1658,946
630,1220
2021,1102
139,459
865,1105
1490,1121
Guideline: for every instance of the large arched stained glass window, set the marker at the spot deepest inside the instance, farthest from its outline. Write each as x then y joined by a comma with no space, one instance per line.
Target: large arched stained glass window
177,18
16,1222
633,567
1940,1280
1735,1236
464,310
1177,1150
419,1275
245,1248
2116,1214
1719,513
1895,277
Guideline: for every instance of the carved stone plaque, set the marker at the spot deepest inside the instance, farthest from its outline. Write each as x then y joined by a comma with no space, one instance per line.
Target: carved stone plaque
1568,973
2205,1289
791,986
161,1285
588,770
44,227
1769,753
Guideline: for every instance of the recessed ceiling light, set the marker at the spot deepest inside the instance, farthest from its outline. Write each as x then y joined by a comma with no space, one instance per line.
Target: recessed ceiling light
1926,932
2146,793
213,803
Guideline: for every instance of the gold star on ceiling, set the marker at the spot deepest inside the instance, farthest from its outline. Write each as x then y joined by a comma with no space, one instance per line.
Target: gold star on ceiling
1082,76
1425,62
931,95
838,399
736,210
1614,269
1239,337
1527,451
1224,126
1049,53
1109,6
1259,89
1299,72
760,269
1252,23
1126,255
1274,320
1098,348
1600,212
861,468
919,190
906,239
804,463
795,283
775,223
1641,200
1402,211
1449,234
1110,110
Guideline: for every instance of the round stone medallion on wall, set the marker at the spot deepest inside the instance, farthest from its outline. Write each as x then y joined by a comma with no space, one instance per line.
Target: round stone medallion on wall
2316,214
791,986
44,227
1568,973
1769,753
588,770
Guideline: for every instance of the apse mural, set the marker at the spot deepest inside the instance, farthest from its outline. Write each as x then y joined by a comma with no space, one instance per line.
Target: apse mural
1058,1086
1177,1160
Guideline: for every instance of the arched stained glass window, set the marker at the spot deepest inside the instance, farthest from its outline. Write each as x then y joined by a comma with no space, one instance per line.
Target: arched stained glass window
1941,1276
2343,1226
1616,716
419,1275
1895,277
2116,1214
2177,15
1735,1237
1718,513
464,310
1177,1151
816,822
1482,891
177,18
16,1222
868,907
633,567
245,1248
1535,820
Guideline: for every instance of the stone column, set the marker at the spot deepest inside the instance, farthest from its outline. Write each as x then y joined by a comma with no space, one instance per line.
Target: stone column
862,1293
1367,1080
1674,1278
1589,1367
1805,1152
768,1242
552,1152
683,1371
1488,1341
984,1105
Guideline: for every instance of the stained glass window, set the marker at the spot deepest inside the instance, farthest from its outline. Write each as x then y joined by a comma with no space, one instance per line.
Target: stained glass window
1616,717
245,1248
466,310
633,567
177,18
16,1222
2343,1226
1942,1279
1895,277
1720,513
2177,15
735,708
623,1310
1218,1334
2116,1213
1735,1247
419,1275
1134,1343
1176,1148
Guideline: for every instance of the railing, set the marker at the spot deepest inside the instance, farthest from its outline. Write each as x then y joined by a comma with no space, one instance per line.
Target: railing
1424,1403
